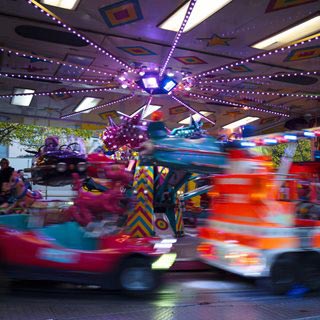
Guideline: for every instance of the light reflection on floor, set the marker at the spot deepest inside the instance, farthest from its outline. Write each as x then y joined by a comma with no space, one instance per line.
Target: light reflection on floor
216,285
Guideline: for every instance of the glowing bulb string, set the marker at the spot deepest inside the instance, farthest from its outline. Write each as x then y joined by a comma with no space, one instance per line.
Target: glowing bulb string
253,58
261,77
192,109
53,93
59,21
98,107
239,105
49,78
268,104
262,93
178,34
56,61
263,103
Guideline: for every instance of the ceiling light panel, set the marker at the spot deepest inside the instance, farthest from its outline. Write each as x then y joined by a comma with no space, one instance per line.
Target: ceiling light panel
196,117
65,4
202,10
300,31
147,110
87,103
239,123
22,100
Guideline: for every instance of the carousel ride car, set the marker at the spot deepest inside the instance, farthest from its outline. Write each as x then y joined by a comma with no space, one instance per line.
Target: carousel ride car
67,252
53,165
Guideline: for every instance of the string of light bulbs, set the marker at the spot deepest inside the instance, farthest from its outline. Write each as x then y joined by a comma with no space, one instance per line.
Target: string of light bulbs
59,21
266,93
259,77
240,105
49,78
178,34
98,107
254,58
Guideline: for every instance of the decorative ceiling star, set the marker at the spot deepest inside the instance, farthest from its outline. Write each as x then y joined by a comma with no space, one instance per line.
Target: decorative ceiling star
215,40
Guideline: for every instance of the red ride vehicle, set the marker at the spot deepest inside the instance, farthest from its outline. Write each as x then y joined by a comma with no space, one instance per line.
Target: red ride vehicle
68,252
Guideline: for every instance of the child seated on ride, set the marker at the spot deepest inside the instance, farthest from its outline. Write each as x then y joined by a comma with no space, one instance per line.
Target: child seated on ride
51,144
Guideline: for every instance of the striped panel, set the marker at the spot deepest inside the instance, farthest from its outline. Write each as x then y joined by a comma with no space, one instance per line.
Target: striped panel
141,221
250,198
163,173
250,240
178,215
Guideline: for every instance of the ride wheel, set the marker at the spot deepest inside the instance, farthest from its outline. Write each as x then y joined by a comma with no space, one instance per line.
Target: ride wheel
4,282
137,277
284,274
310,271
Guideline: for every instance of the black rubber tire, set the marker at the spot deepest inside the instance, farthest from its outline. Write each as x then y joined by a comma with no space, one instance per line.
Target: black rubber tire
283,275
4,283
310,272
136,277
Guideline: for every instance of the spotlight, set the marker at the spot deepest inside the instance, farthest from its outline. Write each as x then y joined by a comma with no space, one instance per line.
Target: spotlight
150,82
153,84
168,84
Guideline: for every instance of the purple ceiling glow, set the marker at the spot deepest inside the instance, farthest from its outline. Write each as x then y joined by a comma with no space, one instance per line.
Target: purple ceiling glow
56,61
224,87
57,20
279,94
259,77
241,105
48,78
253,58
178,34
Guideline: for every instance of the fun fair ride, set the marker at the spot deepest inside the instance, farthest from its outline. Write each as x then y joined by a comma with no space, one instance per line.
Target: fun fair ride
86,242
256,231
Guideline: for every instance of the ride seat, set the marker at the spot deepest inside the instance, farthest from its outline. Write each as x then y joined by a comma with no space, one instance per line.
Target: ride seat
15,221
69,235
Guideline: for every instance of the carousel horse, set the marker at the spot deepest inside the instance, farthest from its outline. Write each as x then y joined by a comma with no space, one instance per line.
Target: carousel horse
90,206
20,197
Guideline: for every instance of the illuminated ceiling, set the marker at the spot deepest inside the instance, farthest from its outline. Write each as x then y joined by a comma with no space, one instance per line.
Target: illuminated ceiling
98,53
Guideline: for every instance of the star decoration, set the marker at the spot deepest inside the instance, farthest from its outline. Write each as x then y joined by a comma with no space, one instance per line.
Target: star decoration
215,40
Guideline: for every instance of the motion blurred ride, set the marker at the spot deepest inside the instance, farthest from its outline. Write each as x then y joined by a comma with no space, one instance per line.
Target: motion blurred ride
53,165
70,253
256,231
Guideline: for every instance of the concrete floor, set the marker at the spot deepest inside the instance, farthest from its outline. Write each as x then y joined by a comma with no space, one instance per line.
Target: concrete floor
186,296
